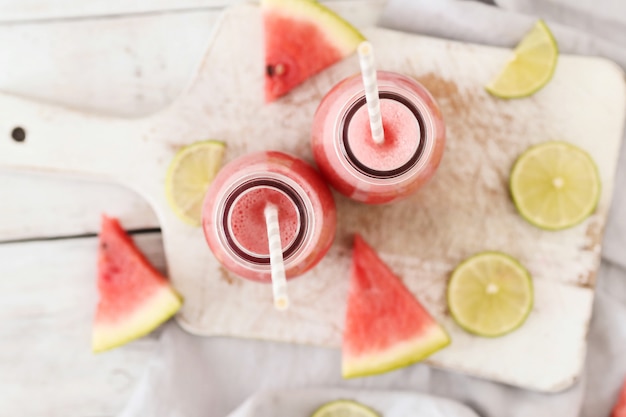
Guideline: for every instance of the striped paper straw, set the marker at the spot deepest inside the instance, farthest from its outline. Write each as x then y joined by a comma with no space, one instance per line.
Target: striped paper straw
368,71
277,265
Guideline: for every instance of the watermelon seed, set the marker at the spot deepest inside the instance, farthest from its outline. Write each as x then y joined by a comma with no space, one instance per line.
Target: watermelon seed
278,69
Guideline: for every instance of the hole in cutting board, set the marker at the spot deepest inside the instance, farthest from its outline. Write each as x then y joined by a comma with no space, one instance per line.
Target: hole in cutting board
18,134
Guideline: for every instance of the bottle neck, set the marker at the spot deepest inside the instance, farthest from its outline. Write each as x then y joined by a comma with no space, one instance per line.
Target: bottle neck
349,153
267,185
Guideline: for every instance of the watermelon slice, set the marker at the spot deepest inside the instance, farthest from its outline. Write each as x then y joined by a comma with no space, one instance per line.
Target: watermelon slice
619,410
134,297
302,37
386,327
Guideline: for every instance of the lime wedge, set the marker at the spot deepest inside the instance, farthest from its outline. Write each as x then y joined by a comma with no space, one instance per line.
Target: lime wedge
555,185
344,408
490,294
188,177
531,66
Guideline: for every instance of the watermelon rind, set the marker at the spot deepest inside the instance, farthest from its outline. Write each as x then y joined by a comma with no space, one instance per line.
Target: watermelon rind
401,355
386,327
341,34
153,312
134,297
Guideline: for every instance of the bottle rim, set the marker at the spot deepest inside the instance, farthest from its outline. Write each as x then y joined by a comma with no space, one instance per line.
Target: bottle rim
348,153
225,231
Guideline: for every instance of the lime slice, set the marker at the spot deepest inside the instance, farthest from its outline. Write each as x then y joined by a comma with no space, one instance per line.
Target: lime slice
531,66
555,185
344,408
490,294
188,177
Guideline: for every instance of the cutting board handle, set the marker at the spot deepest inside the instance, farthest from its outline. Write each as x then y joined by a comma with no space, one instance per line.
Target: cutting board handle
44,137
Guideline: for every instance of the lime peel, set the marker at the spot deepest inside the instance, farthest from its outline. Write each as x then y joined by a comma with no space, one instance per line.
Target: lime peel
344,408
188,177
555,185
490,294
531,66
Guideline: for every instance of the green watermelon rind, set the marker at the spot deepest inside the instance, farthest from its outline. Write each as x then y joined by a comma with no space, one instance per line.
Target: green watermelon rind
400,355
342,34
151,314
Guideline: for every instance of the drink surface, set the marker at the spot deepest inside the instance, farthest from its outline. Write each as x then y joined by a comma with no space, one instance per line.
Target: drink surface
402,137
233,217
362,170
247,219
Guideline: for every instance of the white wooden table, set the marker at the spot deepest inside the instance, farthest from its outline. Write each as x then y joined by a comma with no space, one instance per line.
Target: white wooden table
112,57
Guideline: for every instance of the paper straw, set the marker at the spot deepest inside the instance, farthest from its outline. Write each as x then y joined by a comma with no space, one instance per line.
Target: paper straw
368,72
277,265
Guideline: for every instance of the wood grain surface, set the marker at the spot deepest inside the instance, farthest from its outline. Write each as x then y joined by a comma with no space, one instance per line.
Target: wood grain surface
47,299
48,285
463,210
107,62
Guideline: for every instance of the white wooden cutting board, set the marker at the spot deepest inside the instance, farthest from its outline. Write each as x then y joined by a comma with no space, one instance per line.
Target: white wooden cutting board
465,209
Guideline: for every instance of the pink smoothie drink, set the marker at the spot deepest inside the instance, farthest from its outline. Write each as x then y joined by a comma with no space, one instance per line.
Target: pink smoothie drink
358,167
234,221
247,219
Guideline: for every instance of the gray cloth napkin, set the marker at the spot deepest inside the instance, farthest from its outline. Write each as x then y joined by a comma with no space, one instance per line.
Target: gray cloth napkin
304,402
193,376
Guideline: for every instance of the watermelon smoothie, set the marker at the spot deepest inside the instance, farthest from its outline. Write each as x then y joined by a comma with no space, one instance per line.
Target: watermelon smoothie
234,222
353,163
